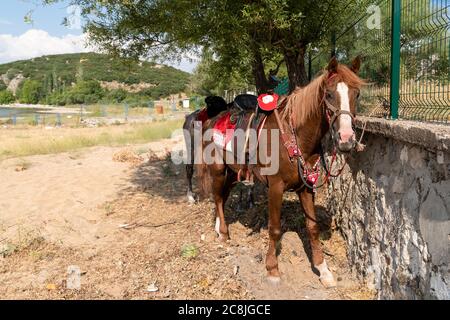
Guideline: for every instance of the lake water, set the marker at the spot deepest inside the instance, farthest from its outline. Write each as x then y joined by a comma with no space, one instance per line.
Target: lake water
23,112
8,112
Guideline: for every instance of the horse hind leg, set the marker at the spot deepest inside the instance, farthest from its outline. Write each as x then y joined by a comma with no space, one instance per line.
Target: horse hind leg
318,260
275,202
188,128
189,174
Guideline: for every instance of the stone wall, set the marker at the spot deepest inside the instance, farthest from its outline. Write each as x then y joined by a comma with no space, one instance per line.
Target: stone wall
392,205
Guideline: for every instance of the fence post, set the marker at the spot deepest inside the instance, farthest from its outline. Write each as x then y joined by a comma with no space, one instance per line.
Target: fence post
125,109
395,57
103,110
150,106
58,120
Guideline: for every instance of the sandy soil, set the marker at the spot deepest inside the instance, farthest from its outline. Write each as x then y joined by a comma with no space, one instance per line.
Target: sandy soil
127,226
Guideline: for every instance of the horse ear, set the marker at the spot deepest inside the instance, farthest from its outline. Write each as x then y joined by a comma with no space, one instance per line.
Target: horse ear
356,64
333,65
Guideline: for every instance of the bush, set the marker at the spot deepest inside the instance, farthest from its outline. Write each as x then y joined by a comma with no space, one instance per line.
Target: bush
89,92
57,98
116,95
137,102
6,97
85,92
31,92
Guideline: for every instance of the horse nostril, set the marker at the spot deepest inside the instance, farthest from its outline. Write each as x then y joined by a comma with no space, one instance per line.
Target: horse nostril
346,136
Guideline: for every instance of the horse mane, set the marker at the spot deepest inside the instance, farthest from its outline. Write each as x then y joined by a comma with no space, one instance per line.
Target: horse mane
304,102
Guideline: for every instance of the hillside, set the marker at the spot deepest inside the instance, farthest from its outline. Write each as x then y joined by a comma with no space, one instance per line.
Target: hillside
58,72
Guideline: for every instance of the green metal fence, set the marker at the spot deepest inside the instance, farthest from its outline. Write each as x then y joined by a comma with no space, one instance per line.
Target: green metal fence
405,47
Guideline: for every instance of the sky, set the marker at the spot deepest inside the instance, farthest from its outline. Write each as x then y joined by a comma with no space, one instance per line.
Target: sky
46,34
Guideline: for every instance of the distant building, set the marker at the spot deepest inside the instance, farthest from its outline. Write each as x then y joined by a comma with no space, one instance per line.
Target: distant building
186,104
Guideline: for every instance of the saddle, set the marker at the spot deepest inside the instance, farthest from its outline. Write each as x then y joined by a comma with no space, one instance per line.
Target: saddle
214,106
244,115
246,102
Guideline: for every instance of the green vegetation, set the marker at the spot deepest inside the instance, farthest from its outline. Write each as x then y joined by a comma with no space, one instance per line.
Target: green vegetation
248,38
6,97
88,78
31,92
87,92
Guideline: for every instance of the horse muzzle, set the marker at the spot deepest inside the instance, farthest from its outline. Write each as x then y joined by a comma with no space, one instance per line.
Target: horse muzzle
346,141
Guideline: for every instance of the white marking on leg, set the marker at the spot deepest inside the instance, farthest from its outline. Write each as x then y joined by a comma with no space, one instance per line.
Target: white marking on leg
217,227
345,121
275,281
326,277
190,197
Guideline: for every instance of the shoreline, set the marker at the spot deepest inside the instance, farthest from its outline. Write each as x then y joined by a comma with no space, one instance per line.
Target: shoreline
42,108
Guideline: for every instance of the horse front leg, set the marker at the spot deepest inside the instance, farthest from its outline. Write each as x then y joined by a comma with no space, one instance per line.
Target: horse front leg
275,201
326,277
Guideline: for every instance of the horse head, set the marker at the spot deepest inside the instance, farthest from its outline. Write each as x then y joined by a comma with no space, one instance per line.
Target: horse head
341,96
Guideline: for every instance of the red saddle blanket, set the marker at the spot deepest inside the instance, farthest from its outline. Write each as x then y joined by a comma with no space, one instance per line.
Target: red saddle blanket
225,127
224,131
203,115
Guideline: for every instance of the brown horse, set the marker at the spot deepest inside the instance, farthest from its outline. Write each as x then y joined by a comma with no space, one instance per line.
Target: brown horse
328,103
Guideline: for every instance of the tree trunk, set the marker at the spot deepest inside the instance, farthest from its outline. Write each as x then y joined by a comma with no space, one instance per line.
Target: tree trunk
295,63
261,83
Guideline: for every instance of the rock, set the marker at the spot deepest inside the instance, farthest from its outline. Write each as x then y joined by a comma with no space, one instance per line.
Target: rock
393,209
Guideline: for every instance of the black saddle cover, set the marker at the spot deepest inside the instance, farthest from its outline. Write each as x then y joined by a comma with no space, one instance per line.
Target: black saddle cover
246,102
215,105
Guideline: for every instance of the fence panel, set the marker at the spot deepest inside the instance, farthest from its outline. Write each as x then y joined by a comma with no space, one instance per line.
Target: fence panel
92,115
423,86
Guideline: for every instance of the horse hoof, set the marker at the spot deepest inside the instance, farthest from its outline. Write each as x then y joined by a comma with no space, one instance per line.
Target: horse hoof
191,198
223,237
328,283
273,281
326,277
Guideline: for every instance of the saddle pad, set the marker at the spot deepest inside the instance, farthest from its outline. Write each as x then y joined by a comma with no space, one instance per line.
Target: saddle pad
224,131
203,115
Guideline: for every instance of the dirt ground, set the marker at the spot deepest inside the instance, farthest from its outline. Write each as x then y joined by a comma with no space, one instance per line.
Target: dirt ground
125,224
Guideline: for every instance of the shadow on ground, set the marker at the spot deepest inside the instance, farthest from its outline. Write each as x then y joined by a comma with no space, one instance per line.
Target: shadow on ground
162,178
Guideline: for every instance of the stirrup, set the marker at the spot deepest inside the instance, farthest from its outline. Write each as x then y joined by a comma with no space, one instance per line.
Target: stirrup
249,181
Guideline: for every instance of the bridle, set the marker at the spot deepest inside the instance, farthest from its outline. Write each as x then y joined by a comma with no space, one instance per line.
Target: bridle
310,175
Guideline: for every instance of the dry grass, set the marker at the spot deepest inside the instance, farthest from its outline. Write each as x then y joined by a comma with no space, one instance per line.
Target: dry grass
32,141
128,156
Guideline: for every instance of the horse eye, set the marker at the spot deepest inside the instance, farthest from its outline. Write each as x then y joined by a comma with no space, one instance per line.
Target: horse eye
330,95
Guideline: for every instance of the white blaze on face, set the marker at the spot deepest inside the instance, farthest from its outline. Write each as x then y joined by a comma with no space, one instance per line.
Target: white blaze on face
345,121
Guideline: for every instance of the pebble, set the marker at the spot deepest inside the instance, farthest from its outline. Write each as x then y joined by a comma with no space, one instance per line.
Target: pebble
152,288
